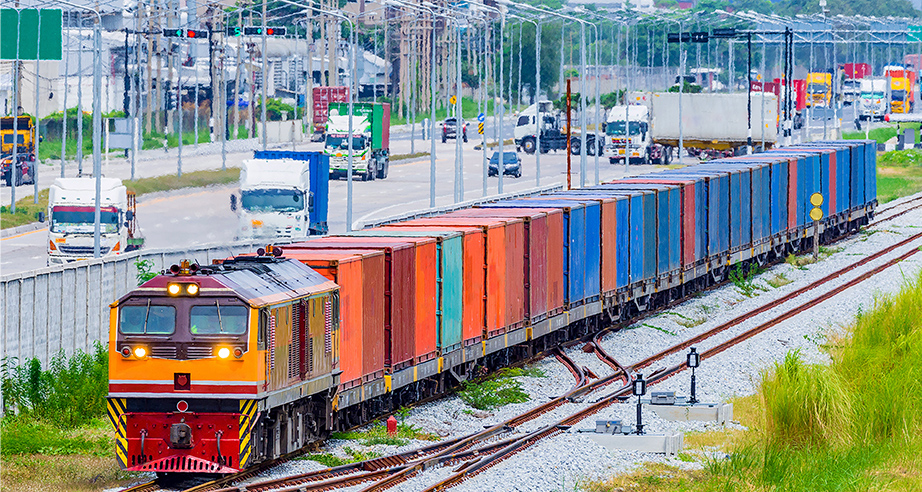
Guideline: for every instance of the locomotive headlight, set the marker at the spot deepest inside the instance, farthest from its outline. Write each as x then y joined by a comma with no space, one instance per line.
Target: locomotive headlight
173,289
224,352
192,289
140,352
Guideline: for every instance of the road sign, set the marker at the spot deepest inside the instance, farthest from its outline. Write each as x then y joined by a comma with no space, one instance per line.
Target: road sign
481,117
26,23
914,33
816,200
816,213
480,128
453,100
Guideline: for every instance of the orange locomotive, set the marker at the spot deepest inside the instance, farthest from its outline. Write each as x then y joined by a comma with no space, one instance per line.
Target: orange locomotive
210,367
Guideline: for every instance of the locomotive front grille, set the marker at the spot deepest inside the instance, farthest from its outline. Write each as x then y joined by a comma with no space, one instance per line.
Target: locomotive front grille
199,352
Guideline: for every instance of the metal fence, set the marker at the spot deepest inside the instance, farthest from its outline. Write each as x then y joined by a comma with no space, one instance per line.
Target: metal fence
65,307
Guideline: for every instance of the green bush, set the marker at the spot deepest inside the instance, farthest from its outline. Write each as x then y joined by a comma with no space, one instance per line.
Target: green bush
69,394
493,392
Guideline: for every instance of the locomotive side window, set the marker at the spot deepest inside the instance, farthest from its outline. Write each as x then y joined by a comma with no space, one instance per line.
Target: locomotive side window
218,320
147,320
263,335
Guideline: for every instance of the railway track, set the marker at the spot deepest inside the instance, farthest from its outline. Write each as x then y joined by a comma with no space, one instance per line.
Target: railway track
892,215
660,375
389,471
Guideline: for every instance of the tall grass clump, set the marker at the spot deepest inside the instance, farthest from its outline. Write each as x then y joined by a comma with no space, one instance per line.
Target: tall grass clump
70,393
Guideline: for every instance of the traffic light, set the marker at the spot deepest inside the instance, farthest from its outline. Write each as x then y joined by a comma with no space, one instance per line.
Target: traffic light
172,33
258,31
699,37
185,33
673,37
727,32
196,34
234,31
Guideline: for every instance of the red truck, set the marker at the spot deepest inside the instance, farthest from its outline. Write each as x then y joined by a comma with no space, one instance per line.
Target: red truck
856,70
798,94
322,97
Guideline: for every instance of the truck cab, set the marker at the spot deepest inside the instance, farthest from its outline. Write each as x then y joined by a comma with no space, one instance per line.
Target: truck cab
819,89
627,132
370,140
274,199
902,90
72,213
875,98
23,170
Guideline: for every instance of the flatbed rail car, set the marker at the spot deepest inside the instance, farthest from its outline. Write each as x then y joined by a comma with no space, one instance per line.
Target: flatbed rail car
340,329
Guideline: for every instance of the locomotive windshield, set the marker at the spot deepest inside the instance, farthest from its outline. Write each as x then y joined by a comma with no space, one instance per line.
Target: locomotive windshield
216,319
147,320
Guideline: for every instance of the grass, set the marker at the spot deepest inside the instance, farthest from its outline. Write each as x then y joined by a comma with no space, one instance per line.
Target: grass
899,173
882,134
377,434
851,425
51,148
659,329
498,389
331,460
744,278
688,322
26,211
779,280
495,144
399,157
801,262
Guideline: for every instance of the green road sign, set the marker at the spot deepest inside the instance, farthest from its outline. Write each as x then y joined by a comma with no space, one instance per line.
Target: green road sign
26,23
914,33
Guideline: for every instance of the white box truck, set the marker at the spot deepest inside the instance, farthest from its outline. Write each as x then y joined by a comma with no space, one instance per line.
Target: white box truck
72,216
875,99
713,125
274,199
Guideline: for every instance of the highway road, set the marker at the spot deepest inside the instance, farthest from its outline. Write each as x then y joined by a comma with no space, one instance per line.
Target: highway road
185,218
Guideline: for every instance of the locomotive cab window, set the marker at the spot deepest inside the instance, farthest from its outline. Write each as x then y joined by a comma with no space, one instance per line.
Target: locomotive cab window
218,318
147,320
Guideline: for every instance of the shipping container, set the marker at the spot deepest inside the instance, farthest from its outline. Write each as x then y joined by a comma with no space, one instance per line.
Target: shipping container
693,221
360,276
494,235
399,294
826,158
774,190
449,280
541,224
322,97
608,269
574,242
473,323
802,178
717,193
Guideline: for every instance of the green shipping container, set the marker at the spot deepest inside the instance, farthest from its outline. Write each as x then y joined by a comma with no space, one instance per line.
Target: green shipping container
449,280
378,114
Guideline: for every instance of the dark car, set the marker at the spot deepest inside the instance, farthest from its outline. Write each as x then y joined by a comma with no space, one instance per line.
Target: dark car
24,172
449,129
512,165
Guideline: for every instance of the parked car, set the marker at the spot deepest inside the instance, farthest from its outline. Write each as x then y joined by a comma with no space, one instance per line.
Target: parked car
512,165
24,173
449,129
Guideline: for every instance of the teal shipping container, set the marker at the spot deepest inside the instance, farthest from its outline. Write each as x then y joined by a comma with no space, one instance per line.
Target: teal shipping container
449,279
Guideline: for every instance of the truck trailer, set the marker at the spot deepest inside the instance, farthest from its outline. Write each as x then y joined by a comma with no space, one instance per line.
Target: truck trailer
371,130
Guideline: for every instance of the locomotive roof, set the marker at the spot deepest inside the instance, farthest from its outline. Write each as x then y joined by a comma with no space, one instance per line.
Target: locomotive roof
259,280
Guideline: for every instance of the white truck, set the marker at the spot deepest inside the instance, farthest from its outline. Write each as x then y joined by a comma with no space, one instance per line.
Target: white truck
875,98
274,199
72,216
713,125
553,131
627,132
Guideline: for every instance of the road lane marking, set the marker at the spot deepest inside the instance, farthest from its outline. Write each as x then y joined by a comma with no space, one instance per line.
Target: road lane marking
24,234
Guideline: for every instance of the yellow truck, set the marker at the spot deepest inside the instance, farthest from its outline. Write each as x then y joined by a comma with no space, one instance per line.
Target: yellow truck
819,89
18,131
902,90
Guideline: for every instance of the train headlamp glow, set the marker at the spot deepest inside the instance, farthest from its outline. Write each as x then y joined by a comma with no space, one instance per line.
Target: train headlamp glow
173,289
140,352
224,352
192,289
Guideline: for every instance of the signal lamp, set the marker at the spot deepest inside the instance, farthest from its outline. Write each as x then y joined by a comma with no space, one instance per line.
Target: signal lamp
173,289
140,352
126,352
693,360
224,352
639,389
238,352
192,289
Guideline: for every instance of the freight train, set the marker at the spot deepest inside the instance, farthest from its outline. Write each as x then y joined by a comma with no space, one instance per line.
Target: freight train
214,368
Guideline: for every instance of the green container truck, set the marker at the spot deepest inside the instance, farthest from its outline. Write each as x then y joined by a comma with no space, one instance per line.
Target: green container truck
371,131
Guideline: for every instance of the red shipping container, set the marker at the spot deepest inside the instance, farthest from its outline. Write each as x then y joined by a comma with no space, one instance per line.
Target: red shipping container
425,287
474,322
322,97
608,219
494,232
360,276
687,190
539,251
792,194
399,294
